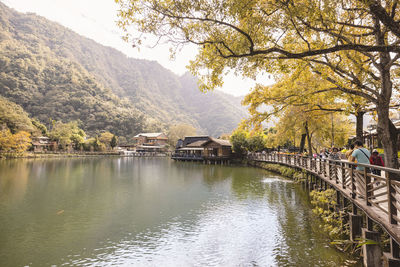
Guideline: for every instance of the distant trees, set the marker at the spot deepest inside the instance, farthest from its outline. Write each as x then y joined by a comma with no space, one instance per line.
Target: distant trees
179,131
113,142
106,138
67,134
45,83
239,142
14,117
18,142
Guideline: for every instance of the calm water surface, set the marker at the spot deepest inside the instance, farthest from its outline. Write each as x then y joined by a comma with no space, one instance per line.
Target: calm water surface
154,212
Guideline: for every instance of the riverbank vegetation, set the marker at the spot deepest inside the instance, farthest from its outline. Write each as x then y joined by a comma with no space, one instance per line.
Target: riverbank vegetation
18,133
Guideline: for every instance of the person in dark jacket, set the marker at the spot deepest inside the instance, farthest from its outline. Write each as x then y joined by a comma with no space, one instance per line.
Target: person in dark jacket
375,159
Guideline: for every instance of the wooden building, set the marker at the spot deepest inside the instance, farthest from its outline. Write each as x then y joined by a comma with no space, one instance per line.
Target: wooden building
192,150
151,139
150,142
204,148
43,144
217,148
372,140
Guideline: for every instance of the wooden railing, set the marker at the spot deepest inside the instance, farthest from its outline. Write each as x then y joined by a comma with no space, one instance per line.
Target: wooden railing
377,195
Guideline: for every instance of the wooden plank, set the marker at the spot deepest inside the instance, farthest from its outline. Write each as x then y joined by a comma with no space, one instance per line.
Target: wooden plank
395,182
396,218
396,189
379,195
396,204
379,207
378,188
395,196
379,201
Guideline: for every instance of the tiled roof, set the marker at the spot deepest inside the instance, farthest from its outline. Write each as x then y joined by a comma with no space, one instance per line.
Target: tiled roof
221,141
197,143
149,134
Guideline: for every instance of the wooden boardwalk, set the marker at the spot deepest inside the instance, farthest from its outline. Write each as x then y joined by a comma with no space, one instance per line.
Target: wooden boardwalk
377,195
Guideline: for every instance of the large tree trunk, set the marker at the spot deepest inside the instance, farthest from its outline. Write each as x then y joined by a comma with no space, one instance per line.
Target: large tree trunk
308,140
359,125
302,142
388,133
385,127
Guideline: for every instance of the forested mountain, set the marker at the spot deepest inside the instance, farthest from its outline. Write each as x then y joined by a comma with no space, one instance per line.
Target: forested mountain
55,73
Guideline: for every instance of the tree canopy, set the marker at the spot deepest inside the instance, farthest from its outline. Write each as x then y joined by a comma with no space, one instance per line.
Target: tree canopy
342,41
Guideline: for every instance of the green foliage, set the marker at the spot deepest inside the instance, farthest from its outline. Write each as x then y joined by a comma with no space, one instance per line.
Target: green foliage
239,142
41,127
179,131
114,142
106,138
324,206
17,143
67,134
256,143
14,117
297,176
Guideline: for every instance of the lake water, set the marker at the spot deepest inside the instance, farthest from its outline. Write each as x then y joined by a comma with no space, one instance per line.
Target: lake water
154,212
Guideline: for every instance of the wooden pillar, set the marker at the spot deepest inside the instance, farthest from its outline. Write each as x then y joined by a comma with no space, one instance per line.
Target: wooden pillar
370,226
343,175
372,253
353,184
394,248
355,223
392,259
338,199
368,187
392,210
345,202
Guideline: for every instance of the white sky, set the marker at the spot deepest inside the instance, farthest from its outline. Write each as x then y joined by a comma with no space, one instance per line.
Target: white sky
96,19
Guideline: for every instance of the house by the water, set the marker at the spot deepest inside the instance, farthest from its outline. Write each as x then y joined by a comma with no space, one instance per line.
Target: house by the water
150,142
203,148
147,142
43,144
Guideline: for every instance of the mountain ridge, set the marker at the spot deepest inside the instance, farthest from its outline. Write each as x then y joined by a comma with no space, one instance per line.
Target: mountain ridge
147,86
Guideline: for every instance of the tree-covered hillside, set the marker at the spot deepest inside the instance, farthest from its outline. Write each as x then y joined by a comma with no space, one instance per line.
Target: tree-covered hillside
55,73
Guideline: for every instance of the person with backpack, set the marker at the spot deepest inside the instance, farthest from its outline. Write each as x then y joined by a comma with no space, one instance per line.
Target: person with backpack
375,159
360,154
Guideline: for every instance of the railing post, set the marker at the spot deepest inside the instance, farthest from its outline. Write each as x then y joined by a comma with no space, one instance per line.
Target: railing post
330,170
367,179
336,173
315,164
342,164
353,186
392,210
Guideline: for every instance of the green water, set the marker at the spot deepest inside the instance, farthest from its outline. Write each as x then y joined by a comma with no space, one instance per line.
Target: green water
154,212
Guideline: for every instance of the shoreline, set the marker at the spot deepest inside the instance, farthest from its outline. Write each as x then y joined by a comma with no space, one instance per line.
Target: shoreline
31,155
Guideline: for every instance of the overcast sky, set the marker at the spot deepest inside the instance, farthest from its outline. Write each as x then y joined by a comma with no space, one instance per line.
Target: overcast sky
96,19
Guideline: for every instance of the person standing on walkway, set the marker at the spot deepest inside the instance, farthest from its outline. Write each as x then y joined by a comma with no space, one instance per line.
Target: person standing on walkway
360,154
335,154
349,152
375,159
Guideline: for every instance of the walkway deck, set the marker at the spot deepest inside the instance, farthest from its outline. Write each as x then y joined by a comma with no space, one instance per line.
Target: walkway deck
380,201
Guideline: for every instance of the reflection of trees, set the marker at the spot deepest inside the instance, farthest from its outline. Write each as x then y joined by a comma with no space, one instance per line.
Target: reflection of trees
214,174
247,182
13,180
299,231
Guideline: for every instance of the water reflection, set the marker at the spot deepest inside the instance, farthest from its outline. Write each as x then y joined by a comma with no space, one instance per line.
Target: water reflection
142,212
